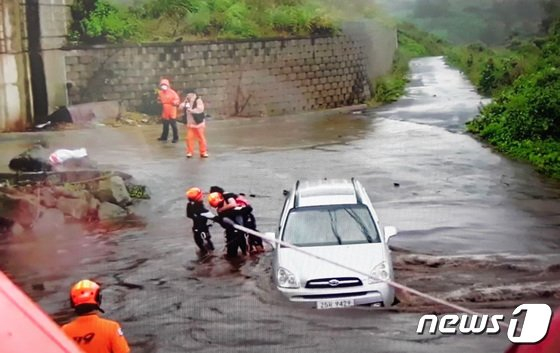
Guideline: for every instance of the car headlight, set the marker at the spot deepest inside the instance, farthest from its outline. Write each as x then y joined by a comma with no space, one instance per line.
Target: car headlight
380,272
286,279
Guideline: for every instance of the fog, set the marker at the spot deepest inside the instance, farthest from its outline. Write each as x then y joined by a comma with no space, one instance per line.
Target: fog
489,21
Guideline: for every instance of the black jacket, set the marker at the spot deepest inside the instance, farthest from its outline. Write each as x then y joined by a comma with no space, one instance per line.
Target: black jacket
195,211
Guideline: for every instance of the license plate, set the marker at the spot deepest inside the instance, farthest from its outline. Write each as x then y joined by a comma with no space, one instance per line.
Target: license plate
333,304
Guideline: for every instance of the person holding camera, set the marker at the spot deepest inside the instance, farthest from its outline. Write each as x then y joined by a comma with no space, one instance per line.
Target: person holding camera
193,107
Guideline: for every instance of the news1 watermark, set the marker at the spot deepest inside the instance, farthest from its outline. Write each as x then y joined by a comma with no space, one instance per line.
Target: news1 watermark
533,330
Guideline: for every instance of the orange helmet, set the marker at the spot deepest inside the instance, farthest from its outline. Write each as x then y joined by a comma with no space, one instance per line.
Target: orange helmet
215,199
194,194
85,292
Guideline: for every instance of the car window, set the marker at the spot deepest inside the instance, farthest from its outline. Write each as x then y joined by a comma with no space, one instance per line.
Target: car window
330,225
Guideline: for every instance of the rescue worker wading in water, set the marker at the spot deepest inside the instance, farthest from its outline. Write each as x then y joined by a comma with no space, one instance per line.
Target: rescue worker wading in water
234,238
200,216
92,333
233,201
169,100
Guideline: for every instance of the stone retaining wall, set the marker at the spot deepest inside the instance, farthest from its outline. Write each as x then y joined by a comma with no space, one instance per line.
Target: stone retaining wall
243,78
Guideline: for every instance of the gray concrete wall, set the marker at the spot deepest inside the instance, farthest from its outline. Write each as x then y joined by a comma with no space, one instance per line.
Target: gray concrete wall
14,84
247,78
55,18
379,45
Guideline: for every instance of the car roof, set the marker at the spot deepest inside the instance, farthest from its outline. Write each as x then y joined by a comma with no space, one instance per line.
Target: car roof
325,192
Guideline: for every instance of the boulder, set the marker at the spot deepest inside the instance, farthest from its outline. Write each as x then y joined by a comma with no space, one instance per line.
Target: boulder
113,190
77,208
50,219
47,197
17,229
93,209
20,208
109,211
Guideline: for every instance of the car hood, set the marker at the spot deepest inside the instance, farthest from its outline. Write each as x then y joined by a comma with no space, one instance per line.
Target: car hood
362,257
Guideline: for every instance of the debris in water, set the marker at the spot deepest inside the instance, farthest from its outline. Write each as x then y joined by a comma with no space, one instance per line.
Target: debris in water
38,286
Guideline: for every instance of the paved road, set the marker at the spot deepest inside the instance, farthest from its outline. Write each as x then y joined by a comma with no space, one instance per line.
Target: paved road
475,228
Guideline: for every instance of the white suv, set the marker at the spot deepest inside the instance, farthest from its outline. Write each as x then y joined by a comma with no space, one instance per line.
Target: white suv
333,219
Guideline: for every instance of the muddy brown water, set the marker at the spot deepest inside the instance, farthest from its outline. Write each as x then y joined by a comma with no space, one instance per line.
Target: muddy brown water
475,228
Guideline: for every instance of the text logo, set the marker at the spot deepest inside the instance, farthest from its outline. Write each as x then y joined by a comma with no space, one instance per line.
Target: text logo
534,328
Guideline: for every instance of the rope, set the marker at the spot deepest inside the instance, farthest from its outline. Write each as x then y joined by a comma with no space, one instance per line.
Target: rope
388,281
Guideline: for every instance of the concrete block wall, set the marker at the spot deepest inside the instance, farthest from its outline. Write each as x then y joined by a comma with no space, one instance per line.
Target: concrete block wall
243,78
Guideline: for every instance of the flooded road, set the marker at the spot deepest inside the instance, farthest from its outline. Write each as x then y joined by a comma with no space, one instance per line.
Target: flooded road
475,228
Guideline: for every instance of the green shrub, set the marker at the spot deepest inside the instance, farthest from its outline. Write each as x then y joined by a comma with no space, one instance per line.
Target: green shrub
108,23
523,120
102,21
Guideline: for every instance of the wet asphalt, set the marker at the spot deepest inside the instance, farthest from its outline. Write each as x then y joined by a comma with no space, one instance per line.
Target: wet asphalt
475,228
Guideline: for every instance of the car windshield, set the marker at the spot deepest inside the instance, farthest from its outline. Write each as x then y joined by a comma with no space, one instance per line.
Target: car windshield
330,225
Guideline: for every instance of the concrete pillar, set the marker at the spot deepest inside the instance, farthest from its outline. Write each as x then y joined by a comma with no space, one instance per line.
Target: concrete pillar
15,96
54,19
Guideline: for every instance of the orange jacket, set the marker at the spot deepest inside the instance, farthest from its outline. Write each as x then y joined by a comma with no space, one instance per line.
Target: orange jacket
97,335
169,99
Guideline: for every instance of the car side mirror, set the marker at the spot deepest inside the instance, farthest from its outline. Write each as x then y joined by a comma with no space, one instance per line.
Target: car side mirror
390,231
272,237
285,192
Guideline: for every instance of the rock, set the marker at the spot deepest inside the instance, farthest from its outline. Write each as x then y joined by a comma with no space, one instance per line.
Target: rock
108,211
113,190
26,211
93,208
19,207
38,286
76,208
50,219
17,229
47,197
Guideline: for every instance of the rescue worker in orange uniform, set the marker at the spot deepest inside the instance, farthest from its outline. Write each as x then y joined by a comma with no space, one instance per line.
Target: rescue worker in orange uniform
196,125
92,333
233,201
234,238
169,100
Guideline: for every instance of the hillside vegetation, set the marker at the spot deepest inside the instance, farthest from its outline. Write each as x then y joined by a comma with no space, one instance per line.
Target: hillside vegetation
493,22
523,120
103,21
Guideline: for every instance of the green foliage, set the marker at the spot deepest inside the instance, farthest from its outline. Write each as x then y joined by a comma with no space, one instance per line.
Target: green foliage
487,81
106,22
491,21
524,118
103,21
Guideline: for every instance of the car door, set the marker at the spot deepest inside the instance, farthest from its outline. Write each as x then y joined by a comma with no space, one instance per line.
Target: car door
285,209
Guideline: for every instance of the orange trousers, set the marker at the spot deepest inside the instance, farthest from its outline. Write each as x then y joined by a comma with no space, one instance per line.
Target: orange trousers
196,134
